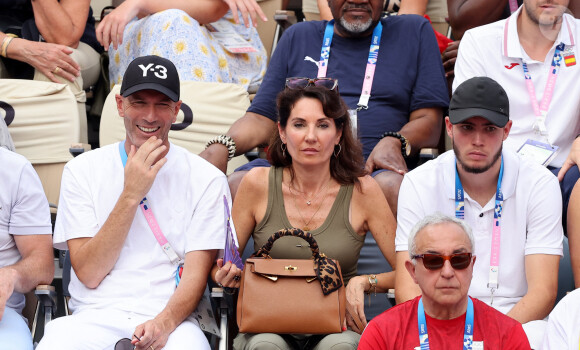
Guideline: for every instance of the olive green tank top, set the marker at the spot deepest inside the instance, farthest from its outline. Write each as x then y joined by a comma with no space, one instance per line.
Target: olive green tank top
336,237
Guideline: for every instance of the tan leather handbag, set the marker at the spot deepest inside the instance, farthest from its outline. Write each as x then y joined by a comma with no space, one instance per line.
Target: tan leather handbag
292,296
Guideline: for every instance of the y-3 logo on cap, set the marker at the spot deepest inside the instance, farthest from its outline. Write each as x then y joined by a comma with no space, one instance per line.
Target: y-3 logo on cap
159,70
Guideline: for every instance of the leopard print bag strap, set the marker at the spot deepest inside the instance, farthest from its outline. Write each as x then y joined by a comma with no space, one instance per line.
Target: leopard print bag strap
327,271
264,252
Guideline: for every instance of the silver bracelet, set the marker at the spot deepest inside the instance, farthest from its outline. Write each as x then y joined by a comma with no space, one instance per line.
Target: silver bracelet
226,141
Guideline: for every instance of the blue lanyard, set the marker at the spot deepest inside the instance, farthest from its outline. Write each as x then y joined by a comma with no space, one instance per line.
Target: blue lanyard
325,50
460,196
493,283
467,334
371,62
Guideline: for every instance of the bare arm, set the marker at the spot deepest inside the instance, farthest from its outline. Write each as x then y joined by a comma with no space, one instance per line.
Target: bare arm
36,267
542,278
154,333
61,22
422,130
467,14
44,57
248,132
417,7
111,28
93,258
405,287
574,233
377,218
572,159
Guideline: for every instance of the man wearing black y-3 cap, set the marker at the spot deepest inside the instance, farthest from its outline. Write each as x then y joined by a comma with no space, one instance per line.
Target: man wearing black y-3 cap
133,214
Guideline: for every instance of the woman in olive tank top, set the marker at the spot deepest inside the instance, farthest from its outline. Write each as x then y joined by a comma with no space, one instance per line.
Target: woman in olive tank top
316,183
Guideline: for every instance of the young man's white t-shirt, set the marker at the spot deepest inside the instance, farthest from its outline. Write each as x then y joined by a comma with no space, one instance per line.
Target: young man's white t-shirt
530,222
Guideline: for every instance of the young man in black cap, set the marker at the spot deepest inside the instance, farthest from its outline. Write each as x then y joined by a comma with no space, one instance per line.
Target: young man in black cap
512,204
132,214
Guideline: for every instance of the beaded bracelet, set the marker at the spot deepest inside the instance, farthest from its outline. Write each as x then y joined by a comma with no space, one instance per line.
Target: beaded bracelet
226,141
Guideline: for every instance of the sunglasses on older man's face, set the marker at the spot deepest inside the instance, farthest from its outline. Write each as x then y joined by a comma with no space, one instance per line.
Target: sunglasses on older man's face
436,261
301,83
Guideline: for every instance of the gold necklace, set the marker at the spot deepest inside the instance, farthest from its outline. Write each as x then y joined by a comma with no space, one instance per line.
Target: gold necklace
306,227
303,194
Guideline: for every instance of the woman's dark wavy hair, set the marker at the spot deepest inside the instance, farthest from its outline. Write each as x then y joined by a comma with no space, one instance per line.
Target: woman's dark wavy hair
349,165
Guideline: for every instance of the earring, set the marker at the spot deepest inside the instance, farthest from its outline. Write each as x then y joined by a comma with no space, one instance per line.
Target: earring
283,148
339,149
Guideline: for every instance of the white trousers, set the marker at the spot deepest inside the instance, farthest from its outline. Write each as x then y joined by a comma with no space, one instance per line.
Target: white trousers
535,331
102,329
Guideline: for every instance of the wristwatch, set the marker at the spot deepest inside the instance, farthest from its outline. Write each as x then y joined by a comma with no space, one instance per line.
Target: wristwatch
405,144
226,141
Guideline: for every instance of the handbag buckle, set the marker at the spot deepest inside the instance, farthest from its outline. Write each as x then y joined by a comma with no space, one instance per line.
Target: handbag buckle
271,278
290,268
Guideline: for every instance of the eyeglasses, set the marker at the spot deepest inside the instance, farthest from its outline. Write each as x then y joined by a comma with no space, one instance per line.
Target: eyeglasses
436,261
301,83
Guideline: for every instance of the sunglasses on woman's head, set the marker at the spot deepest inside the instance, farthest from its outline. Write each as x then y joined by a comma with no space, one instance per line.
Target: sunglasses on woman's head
436,261
301,83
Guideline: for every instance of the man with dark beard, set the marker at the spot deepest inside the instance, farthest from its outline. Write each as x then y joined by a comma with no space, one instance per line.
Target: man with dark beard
512,204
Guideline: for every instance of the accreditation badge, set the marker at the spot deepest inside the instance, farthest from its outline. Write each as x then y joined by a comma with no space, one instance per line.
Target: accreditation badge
539,152
229,38
477,345
353,122
569,56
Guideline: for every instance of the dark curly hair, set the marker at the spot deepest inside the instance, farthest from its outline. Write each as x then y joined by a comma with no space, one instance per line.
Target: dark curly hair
349,165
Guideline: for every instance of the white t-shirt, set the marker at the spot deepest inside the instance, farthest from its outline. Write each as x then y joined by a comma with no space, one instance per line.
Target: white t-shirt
187,201
530,223
495,52
23,210
563,330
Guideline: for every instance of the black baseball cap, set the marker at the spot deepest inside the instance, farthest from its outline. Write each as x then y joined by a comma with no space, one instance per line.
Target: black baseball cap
151,73
480,97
